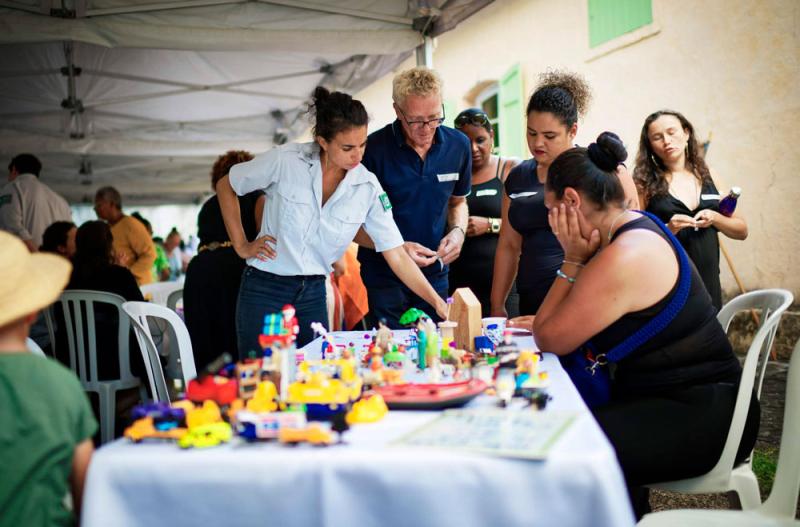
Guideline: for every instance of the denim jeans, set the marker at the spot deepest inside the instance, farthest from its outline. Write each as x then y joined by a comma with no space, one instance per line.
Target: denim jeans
262,293
394,299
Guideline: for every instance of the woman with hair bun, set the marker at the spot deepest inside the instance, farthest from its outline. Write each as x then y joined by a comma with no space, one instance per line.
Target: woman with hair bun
526,247
673,391
676,185
318,196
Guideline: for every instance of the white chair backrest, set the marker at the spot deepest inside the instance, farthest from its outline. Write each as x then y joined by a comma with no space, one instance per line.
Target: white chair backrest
158,292
173,299
138,313
772,303
766,301
782,501
34,348
83,345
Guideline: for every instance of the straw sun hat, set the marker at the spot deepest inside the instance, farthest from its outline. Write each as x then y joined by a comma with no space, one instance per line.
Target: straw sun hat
28,282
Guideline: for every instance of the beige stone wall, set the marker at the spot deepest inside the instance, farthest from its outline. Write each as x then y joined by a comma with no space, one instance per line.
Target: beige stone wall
731,67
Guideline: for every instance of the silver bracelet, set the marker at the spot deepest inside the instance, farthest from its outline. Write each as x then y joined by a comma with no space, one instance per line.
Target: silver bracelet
562,274
571,262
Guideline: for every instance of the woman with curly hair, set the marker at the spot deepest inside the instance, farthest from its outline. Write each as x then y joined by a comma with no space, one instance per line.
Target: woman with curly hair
212,278
527,248
676,185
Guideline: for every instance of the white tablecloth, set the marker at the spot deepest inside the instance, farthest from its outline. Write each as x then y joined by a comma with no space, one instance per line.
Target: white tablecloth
364,482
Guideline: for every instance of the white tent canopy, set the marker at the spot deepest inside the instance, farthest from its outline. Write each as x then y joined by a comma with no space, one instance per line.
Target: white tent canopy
143,95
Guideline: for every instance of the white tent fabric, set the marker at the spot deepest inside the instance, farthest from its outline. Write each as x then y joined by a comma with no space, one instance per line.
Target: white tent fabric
144,95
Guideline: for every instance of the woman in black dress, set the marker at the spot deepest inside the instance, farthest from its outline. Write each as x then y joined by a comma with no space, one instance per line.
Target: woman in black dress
475,267
213,276
672,398
676,185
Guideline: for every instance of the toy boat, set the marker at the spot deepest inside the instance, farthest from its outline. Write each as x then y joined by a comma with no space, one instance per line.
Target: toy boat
412,396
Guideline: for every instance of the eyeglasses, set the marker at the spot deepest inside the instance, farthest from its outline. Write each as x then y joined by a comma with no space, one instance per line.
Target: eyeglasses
419,125
476,119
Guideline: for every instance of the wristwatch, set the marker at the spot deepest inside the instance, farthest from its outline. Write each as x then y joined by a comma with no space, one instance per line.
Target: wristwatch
494,225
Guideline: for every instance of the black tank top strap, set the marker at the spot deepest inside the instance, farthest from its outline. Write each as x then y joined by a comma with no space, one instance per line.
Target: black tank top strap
500,167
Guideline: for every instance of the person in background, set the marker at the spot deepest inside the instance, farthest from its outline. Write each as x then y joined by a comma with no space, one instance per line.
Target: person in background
318,196
475,267
95,269
28,206
46,421
676,185
425,169
172,248
527,248
213,276
672,397
59,238
160,264
133,247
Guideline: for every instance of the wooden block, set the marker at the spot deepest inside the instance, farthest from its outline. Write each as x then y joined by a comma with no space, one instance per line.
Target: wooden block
466,310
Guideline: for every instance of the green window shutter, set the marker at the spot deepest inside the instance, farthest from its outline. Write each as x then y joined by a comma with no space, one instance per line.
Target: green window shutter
511,114
609,19
450,112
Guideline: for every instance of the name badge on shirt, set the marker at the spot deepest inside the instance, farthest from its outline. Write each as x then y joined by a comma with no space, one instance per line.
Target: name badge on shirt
387,205
452,176
486,192
709,196
521,195
5,199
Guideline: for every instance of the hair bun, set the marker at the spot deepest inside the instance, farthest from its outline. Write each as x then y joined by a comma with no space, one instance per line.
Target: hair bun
320,96
608,151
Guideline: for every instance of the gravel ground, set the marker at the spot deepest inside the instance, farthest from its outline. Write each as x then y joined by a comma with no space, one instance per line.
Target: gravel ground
769,436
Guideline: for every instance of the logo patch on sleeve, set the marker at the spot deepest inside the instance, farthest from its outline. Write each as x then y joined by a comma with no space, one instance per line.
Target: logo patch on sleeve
387,205
5,199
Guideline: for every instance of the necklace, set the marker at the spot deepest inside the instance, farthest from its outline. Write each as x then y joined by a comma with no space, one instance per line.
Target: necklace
614,222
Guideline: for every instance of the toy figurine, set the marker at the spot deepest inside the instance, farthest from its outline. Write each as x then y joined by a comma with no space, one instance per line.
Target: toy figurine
422,343
383,337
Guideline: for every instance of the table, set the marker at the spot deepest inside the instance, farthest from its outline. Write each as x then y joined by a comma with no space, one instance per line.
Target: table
366,481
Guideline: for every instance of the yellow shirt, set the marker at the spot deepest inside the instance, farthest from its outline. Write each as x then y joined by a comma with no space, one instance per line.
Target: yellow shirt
134,248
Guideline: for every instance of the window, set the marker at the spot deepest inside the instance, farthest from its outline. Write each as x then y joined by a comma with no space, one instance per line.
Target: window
511,114
609,19
487,101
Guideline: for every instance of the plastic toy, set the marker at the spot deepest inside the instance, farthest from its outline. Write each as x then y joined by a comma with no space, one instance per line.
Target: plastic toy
206,435
412,396
368,410
411,317
145,428
202,415
325,387
314,434
214,388
264,398
254,426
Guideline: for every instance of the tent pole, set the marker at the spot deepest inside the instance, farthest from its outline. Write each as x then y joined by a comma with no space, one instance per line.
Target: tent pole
425,52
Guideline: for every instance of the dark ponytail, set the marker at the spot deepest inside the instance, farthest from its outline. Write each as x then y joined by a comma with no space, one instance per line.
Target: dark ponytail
335,112
591,171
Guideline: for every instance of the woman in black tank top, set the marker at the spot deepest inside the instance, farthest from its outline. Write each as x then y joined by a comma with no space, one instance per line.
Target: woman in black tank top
475,266
676,185
672,397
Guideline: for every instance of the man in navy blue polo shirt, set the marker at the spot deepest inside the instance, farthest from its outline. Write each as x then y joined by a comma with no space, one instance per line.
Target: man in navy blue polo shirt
426,171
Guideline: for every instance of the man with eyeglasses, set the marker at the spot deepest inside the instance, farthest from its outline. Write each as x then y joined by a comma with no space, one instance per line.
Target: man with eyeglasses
425,170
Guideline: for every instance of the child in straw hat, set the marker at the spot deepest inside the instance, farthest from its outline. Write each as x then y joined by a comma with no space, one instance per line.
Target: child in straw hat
46,423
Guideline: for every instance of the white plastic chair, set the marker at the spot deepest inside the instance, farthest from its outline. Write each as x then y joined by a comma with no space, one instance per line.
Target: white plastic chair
725,476
83,350
173,299
34,348
139,313
780,507
158,292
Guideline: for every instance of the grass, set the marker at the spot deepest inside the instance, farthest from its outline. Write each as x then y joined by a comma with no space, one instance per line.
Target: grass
765,461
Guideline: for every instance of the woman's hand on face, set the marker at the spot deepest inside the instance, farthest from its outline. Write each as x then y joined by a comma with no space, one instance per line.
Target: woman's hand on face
477,226
565,222
705,218
523,322
259,248
678,222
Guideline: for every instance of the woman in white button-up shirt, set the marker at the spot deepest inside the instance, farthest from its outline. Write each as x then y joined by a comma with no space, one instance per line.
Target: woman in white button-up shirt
318,195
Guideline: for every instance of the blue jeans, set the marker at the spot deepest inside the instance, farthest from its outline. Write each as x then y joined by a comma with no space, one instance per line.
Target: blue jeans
262,293
393,299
